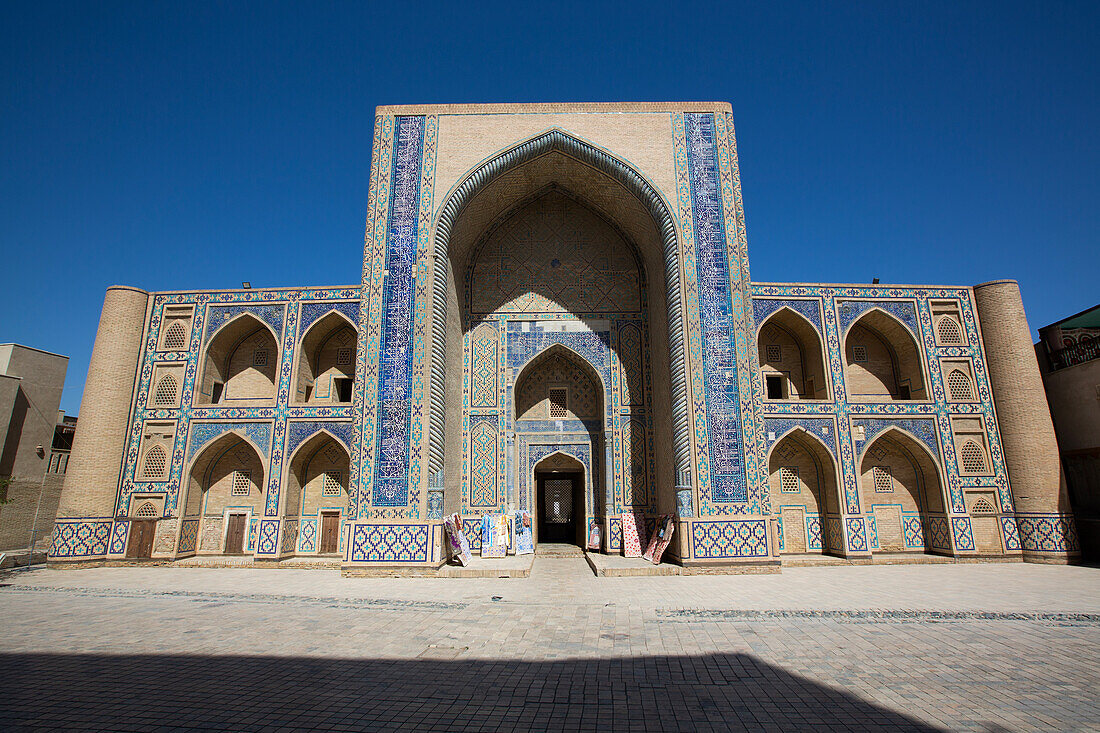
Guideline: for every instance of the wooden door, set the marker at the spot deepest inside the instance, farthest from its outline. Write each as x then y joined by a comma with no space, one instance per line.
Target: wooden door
234,536
140,546
330,532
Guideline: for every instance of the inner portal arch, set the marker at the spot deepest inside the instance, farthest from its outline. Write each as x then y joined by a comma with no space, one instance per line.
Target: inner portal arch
562,175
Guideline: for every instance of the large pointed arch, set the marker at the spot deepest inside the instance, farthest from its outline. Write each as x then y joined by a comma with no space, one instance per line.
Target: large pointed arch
590,370
887,365
665,256
318,356
903,491
804,488
805,374
210,479
232,367
321,453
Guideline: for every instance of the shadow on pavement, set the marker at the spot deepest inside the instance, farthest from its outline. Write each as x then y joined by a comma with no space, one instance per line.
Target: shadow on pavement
147,692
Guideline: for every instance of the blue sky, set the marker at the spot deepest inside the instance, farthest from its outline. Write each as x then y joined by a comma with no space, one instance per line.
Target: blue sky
943,143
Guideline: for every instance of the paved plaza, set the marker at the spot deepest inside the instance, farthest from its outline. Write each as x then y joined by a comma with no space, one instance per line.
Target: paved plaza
912,647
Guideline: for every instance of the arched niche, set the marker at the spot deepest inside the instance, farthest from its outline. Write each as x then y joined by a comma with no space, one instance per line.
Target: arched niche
902,492
226,480
562,488
559,372
792,360
240,363
325,364
802,484
609,190
316,490
882,361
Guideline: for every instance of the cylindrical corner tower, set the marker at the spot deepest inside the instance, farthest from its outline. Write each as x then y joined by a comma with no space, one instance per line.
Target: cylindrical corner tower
1027,433
92,477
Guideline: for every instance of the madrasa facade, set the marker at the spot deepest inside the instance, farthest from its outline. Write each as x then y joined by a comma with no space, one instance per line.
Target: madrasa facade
555,316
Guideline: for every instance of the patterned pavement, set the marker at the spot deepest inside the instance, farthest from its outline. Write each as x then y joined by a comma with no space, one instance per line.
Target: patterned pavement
917,647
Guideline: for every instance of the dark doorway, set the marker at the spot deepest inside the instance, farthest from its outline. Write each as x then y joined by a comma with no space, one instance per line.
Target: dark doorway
560,499
141,539
330,532
234,536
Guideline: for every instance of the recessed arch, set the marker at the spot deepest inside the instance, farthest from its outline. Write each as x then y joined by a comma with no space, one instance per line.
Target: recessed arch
225,481
902,491
559,352
324,369
882,361
790,350
240,363
608,186
317,486
804,492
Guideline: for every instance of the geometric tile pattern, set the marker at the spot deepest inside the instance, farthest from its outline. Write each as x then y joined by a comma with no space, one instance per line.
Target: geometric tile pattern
390,543
849,311
189,535
964,535
118,537
813,531
202,433
299,432
734,538
913,530
1011,533
307,536
1047,532
938,533
87,538
856,533
483,447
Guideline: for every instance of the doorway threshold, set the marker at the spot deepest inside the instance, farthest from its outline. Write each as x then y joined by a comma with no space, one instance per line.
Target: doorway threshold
617,566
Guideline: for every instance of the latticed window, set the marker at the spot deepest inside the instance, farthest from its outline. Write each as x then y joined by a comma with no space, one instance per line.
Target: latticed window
242,483
559,402
982,506
175,338
332,483
788,479
884,482
958,387
343,356
949,331
165,395
259,357
972,457
146,511
156,461
773,352
859,352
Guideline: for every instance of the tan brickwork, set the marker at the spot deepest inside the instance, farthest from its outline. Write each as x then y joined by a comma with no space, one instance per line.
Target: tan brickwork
92,478
1027,433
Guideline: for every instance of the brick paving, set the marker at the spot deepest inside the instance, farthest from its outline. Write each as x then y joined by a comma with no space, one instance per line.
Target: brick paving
918,647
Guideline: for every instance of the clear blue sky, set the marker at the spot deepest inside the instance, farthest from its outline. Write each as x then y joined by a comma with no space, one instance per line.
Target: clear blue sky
931,142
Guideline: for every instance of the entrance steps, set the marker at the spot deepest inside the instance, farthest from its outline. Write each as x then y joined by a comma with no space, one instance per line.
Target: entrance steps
558,549
617,566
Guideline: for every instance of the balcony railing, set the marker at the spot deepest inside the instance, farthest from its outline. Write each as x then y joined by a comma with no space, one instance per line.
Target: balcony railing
1077,354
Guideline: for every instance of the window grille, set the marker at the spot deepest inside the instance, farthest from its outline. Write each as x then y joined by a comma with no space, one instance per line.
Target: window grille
884,482
949,331
175,337
773,352
156,460
343,356
242,483
146,511
165,395
859,353
982,506
559,402
972,457
332,483
958,387
788,479
259,357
